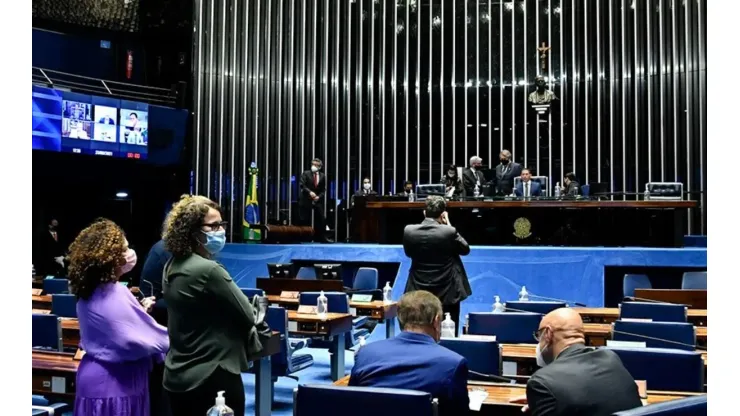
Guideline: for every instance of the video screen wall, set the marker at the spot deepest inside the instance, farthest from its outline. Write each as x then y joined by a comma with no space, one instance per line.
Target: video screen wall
87,124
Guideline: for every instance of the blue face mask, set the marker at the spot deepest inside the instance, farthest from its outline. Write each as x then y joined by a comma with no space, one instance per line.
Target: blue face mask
215,241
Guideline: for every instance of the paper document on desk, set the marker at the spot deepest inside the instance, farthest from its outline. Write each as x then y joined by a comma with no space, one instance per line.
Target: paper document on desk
476,398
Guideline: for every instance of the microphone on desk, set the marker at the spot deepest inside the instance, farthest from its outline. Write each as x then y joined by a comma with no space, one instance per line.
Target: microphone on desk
652,301
568,302
696,347
500,379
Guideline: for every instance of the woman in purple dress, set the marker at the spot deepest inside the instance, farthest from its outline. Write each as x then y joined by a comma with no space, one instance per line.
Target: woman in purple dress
119,338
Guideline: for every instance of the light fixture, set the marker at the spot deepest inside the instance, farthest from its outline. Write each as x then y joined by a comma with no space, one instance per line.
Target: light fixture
121,194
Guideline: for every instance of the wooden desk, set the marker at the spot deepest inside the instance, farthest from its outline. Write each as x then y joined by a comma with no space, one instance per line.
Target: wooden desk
376,310
597,334
608,315
589,222
697,299
333,328
41,302
500,395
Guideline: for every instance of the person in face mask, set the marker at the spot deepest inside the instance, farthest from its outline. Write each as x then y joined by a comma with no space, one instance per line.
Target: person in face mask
473,176
453,183
367,189
121,340
211,323
311,200
575,379
408,187
414,359
506,171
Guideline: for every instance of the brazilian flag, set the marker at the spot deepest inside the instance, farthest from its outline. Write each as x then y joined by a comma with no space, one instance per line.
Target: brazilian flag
252,208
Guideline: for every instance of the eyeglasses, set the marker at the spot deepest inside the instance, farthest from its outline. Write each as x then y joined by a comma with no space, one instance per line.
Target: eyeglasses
215,226
538,333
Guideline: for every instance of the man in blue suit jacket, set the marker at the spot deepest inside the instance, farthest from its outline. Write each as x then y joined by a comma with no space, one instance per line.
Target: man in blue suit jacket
413,360
527,187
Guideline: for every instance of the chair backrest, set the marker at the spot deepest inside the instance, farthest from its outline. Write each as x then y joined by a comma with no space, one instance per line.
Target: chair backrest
312,399
544,182
483,356
694,280
307,273
251,292
535,307
671,335
55,286
277,319
664,369
586,190
366,279
336,301
64,305
688,406
672,191
46,332
660,312
635,281
508,327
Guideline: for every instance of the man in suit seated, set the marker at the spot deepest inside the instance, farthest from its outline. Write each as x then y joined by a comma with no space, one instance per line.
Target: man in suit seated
367,189
575,379
413,359
528,188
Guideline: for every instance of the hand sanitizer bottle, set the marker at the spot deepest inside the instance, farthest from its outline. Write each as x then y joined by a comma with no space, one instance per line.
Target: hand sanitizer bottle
448,327
220,408
387,291
322,307
497,306
523,295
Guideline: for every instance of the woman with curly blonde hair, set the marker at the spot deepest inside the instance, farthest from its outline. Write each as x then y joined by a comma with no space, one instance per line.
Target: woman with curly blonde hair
119,338
211,323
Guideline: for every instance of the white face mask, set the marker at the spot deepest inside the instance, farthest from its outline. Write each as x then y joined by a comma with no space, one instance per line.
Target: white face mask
451,174
366,186
314,169
541,361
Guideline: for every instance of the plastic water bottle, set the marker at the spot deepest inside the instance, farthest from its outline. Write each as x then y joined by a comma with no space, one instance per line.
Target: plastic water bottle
523,295
220,408
476,191
322,306
647,193
557,189
497,306
387,291
448,327
411,196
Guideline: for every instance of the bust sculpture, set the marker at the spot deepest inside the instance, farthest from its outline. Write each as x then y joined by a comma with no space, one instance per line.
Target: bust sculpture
541,96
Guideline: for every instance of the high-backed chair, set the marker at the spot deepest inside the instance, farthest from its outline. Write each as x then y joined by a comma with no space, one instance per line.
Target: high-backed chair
306,273
687,406
671,335
508,327
286,362
534,306
483,356
544,182
366,279
660,312
694,280
251,292
585,190
338,302
64,305
329,400
664,369
55,286
635,281
46,332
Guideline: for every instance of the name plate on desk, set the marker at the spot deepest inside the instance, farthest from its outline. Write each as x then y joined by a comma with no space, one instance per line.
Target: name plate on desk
629,344
360,298
307,309
636,319
285,294
478,337
36,292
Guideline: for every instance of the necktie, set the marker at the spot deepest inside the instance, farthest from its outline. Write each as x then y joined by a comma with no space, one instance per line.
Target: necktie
316,180
527,191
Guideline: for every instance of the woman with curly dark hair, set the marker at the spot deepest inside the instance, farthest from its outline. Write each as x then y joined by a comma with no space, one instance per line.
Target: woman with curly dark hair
211,323
119,338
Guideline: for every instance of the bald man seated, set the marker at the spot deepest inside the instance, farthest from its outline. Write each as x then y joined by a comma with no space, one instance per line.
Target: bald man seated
576,379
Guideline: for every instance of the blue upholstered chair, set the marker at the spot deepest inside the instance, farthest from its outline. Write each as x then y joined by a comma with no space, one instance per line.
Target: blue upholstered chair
306,273
586,190
671,335
660,312
664,369
327,400
41,406
688,406
64,306
366,279
286,362
508,327
694,280
635,281
46,332
534,306
338,302
250,292
55,286
483,356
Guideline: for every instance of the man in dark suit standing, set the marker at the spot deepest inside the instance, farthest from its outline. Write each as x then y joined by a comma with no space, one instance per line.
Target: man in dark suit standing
473,176
575,379
414,360
435,247
311,200
506,171
527,187
49,258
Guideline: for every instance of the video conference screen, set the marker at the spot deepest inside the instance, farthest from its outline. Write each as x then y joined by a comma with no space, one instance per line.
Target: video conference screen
87,124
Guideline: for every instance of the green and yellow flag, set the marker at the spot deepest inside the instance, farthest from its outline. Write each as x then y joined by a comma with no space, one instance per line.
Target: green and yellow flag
252,208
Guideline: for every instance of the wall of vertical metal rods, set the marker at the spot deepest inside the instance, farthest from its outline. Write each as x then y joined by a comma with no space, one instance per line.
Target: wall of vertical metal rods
397,89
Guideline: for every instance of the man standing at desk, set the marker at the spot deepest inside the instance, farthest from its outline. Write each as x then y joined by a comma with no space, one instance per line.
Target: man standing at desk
311,200
506,171
435,247
473,176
